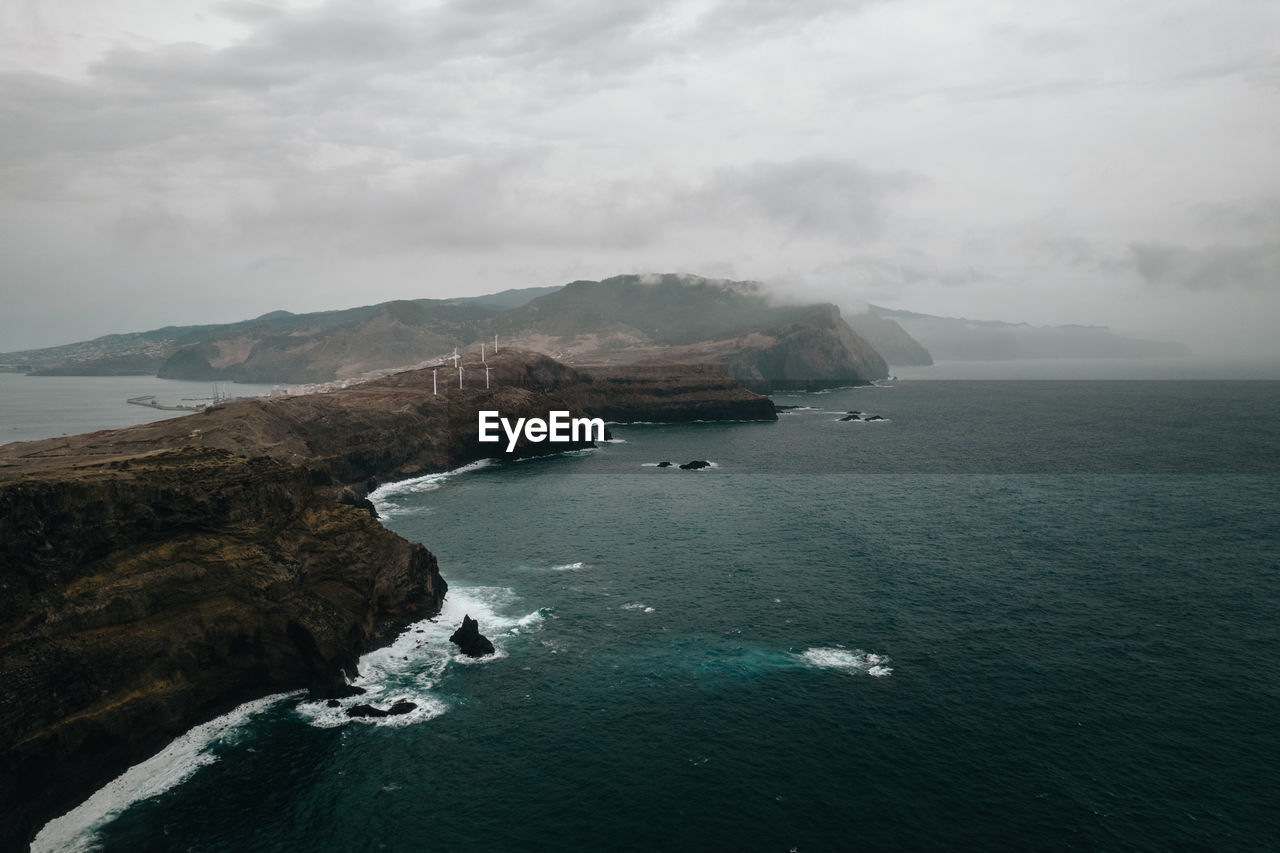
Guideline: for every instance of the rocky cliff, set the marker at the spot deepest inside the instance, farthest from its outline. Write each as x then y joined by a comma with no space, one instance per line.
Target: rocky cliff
154,576
889,339
144,593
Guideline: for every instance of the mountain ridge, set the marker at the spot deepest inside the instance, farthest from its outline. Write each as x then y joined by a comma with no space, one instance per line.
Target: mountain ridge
620,320
959,338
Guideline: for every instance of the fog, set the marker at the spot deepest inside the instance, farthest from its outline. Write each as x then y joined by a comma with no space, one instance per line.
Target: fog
1093,163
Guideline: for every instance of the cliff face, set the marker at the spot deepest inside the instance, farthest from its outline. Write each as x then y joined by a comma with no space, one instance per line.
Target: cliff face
889,339
153,576
144,593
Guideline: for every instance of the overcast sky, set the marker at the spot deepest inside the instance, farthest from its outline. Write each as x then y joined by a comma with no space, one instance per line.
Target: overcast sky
1093,161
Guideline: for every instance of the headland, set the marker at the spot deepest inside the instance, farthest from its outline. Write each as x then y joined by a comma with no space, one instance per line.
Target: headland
155,576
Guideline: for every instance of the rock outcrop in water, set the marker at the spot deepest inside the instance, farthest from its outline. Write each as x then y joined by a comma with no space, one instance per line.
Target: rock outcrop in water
403,706
156,576
469,639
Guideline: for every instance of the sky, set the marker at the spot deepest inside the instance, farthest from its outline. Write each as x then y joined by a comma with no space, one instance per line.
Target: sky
1086,162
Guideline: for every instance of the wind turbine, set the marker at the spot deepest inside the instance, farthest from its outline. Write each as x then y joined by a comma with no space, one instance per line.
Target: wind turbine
482,352
434,390
459,375
455,356
487,368
495,344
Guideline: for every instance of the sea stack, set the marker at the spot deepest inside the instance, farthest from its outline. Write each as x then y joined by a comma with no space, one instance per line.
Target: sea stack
470,640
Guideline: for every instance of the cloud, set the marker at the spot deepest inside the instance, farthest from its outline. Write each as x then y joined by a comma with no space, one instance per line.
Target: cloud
1219,267
920,151
812,196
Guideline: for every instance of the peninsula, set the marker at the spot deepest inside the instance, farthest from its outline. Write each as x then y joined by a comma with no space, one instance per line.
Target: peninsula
155,576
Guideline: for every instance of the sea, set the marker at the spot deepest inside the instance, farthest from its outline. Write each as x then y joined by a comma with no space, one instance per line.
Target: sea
1004,614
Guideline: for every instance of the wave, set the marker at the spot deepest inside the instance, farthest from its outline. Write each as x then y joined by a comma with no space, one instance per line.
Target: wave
826,657
409,668
412,666
75,831
569,567
381,496
635,605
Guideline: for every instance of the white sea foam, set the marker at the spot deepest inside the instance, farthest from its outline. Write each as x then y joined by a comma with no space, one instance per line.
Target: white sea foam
855,660
407,669
635,605
411,667
76,830
383,496
569,567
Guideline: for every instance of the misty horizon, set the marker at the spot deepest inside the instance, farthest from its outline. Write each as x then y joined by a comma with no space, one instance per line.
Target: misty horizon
1098,166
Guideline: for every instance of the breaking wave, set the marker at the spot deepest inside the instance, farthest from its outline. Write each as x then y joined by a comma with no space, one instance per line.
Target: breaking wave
412,666
383,496
75,831
856,660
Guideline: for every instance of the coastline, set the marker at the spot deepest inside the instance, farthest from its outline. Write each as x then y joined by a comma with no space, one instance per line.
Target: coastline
216,535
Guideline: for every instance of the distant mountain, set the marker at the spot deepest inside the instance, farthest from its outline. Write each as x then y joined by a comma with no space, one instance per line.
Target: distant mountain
959,339
630,319
508,299
889,339
320,348
625,319
280,346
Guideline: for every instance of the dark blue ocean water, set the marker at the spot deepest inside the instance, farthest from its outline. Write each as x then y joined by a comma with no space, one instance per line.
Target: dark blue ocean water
1013,615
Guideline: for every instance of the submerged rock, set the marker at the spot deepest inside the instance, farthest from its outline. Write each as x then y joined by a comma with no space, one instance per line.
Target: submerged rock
664,464
469,639
695,465
851,418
